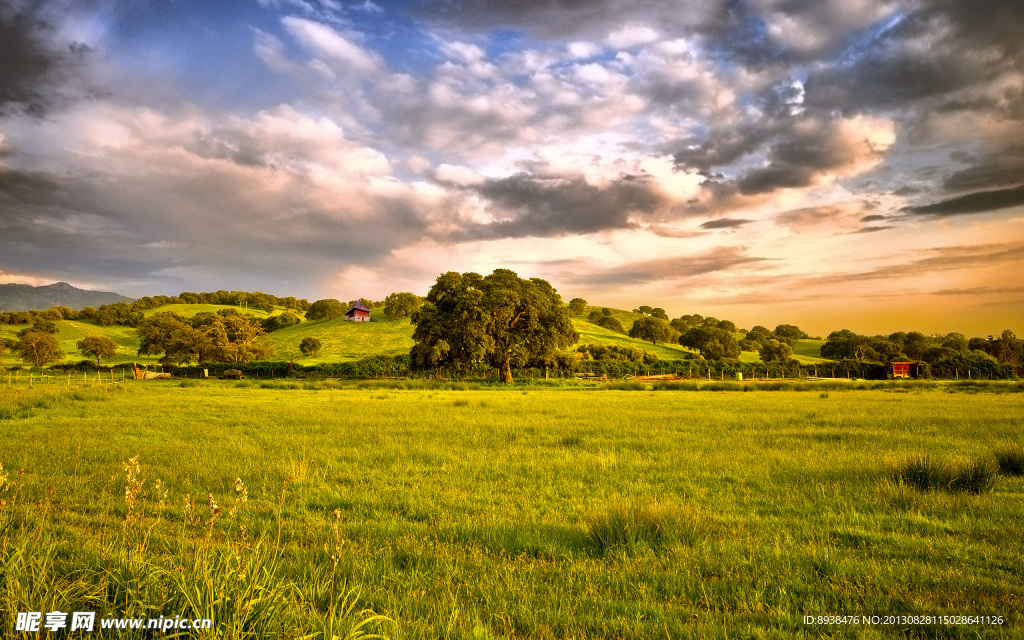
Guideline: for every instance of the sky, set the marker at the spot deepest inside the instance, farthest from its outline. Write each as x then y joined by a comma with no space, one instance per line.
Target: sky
827,163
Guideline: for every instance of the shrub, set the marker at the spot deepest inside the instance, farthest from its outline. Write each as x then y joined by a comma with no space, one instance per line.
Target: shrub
627,385
927,473
1010,458
924,472
653,527
974,476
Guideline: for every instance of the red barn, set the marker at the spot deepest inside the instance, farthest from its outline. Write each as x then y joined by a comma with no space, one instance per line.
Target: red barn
358,312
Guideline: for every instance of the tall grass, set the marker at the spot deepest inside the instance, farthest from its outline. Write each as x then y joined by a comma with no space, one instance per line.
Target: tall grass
146,566
555,514
1010,458
928,473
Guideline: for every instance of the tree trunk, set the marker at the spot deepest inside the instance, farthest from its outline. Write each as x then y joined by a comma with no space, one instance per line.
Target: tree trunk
505,372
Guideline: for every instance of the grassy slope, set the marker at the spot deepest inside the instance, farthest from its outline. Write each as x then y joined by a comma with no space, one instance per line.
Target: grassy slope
344,341
477,509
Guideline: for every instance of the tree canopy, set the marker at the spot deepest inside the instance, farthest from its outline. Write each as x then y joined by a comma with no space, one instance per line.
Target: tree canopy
712,343
611,323
654,329
500,319
39,348
773,350
310,346
98,347
401,305
225,336
326,309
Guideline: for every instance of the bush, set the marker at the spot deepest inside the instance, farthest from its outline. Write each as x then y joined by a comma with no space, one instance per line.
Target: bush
1010,458
628,385
653,527
928,473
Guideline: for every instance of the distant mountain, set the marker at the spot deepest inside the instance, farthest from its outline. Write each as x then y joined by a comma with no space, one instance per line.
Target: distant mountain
25,297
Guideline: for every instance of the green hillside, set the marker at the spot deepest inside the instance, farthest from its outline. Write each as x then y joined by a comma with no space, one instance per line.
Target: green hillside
346,341
71,331
189,310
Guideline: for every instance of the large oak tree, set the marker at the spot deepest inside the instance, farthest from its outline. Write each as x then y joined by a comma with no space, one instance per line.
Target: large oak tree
499,319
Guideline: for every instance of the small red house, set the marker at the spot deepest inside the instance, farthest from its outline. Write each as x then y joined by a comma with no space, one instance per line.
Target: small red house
358,312
904,369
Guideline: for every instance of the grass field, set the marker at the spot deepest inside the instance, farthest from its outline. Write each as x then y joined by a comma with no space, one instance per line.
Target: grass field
530,512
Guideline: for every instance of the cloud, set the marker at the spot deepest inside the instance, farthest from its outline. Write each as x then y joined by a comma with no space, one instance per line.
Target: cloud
817,151
874,218
979,291
559,19
338,51
943,50
282,196
725,223
36,64
979,202
681,268
872,229
999,168
531,205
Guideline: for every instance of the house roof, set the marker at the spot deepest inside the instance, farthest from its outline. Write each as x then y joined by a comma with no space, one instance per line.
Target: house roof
358,306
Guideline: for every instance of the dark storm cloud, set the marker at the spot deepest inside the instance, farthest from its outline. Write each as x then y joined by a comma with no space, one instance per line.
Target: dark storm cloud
795,160
32,68
1001,168
935,50
725,223
874,218
980,202
677,268
532,205
186,229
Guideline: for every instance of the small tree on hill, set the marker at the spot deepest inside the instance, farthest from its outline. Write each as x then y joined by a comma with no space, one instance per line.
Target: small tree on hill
653,329
775,351
98,347
611,323
401,305
39,348
310,347
326,309
712,342
577,305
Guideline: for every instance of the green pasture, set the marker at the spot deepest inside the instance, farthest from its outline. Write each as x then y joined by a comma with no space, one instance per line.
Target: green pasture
344,340
593,334
189,310
808,351
455,510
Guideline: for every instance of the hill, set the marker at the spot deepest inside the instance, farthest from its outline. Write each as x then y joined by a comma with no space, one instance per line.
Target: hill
345,341
25,297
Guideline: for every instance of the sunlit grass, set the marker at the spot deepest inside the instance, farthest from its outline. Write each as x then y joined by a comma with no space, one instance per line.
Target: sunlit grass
527,512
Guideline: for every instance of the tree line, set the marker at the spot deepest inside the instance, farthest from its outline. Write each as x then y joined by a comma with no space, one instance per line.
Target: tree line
467,321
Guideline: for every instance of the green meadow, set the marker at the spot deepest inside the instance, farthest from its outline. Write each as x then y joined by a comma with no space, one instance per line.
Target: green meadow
428,509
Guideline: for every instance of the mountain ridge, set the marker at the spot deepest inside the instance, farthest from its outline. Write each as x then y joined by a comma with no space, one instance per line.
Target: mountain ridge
26,297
